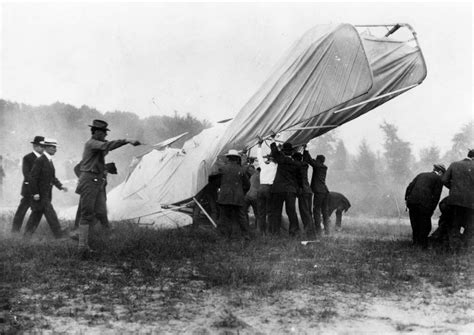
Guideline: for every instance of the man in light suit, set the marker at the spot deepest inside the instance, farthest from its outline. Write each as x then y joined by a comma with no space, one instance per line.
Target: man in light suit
26,197
42,179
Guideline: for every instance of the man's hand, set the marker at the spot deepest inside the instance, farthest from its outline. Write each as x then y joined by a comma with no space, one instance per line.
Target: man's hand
273,135
133,142
36,197
260,141
64,188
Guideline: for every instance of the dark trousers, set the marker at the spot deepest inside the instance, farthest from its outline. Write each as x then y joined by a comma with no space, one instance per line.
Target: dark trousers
304,205
420,219
289,198
102,217
462,217
38,208
25,204
249,201
93,202
230,221
264,202
320,208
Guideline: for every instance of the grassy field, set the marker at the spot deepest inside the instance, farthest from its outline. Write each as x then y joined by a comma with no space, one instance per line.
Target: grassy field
367,278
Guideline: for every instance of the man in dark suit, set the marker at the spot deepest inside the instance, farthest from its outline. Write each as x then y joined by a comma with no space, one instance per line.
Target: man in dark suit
422,196
27,165
320,190
42,179
339,203
305,195
285,186
459,178
231,198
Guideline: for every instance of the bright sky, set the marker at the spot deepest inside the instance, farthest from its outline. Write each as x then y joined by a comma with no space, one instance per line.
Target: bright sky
208,59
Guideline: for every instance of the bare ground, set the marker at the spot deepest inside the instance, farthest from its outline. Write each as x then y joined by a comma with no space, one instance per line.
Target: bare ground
104,297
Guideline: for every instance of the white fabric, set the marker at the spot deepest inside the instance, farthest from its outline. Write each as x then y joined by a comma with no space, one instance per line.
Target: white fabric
330,67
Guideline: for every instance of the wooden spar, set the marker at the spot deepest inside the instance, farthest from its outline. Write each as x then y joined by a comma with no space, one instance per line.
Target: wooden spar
204,211
313,127
375,98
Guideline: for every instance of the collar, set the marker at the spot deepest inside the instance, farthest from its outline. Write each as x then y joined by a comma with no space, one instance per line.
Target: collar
48,156
36,153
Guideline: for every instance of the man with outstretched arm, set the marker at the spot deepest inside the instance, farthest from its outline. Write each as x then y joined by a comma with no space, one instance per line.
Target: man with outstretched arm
92,179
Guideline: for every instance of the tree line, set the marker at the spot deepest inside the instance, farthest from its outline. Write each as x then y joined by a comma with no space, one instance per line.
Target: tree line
373,181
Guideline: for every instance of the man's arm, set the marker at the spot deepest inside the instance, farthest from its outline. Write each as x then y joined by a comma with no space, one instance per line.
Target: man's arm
111,145
35,177
446,178
26,167
308,159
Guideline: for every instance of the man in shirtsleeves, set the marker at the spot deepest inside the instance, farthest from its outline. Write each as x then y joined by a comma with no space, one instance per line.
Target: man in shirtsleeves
92,179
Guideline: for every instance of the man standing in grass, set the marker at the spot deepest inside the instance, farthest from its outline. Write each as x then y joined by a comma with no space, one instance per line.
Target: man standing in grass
92,179
26,197
320,190
459,178
422,196
231,197
42,179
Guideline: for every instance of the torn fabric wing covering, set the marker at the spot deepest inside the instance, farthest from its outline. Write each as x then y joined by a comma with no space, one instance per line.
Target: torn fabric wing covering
396,65
331,68
324,69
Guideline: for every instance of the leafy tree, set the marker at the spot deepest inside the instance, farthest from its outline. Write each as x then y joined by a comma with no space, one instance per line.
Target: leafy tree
462,141
429,156
397,153
340,157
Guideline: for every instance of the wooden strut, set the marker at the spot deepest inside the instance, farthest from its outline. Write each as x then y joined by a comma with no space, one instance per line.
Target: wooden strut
204,211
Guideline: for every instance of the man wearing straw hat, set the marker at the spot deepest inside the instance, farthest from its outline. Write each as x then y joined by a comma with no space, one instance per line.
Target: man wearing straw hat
231,197
92,179
42,179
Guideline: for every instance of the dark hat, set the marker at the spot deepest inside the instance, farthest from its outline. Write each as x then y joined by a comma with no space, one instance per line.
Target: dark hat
439,167
38,140
470,153
232,152
287,147
99,124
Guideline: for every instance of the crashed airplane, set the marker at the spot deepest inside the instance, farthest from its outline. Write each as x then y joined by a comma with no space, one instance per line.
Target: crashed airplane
332,75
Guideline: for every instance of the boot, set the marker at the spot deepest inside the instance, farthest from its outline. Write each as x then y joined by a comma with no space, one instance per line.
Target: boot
83,237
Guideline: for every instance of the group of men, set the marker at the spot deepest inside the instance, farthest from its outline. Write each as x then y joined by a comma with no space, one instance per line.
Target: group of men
457,209
39,178
279,178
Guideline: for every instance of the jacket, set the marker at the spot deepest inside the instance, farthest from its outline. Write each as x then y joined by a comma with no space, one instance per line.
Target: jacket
459,178
288,175
338,201
233,182
43,177
318,179
424,190
26,166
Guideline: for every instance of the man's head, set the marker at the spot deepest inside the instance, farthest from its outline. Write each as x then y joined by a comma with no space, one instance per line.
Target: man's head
99,129
233,156
37,146
50,145
321,158
439,169
470,153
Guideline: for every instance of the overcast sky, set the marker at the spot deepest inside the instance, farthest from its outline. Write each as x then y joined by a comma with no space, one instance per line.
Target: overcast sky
209,59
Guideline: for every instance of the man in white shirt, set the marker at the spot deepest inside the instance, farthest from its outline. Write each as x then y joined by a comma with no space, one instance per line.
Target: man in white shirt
268,170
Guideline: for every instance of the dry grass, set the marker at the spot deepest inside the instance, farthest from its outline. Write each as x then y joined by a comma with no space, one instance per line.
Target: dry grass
137,267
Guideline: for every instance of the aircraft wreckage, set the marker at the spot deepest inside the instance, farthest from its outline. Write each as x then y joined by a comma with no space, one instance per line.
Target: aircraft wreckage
330,76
